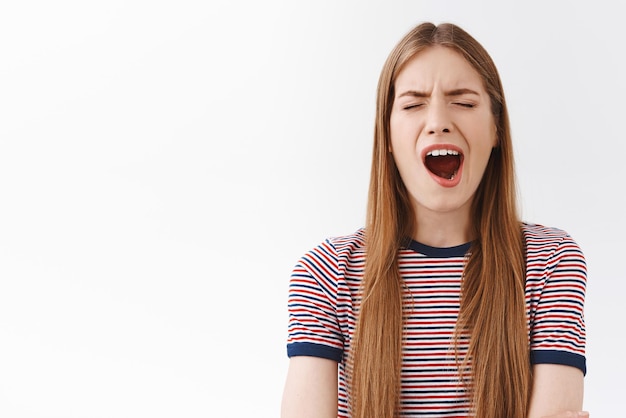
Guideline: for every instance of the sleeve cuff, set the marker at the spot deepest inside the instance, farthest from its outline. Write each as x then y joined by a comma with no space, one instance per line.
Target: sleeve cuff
559,357
314,350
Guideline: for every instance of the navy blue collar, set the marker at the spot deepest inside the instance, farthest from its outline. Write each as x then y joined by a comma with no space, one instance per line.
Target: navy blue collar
439,252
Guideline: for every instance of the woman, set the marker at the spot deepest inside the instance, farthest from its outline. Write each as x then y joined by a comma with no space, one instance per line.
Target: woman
445,304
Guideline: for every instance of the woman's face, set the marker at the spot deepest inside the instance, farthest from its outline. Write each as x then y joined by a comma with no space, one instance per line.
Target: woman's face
442,131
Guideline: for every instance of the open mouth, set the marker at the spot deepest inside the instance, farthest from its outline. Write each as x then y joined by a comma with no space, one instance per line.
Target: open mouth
444,163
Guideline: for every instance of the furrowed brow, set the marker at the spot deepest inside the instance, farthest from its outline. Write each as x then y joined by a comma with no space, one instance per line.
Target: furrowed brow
455,92
413,93
461,92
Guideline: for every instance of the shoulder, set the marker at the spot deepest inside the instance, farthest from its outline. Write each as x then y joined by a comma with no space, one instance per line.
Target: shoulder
351,244
537,232
335,253
341,247
553,250
546,239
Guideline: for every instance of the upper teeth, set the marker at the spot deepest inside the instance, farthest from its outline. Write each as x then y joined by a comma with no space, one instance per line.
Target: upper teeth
438,152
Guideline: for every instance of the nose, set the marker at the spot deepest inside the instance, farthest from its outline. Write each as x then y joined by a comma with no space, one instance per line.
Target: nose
438,121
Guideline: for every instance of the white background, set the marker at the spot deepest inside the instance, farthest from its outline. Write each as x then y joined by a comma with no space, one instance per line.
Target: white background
163,164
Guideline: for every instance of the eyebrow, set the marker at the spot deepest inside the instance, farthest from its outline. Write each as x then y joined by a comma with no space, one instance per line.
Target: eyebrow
455,92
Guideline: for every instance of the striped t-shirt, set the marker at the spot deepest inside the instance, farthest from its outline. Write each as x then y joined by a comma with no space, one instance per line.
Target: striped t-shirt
324,291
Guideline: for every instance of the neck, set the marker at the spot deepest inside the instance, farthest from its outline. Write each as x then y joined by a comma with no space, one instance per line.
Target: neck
447,229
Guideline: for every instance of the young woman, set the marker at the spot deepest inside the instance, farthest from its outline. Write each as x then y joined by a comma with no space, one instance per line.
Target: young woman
445,304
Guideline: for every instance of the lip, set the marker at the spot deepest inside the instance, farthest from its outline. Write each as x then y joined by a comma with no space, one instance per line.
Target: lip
439,180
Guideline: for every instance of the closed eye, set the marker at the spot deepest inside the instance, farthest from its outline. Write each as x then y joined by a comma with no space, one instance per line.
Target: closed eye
467,105
412,106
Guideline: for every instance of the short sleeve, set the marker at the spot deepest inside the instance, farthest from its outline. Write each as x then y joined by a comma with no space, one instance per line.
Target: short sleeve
557,334
313,328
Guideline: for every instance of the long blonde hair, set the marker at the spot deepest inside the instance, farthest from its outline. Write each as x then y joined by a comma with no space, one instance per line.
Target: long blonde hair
499,385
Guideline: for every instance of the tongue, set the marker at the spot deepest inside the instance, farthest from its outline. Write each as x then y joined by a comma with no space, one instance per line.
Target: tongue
444,166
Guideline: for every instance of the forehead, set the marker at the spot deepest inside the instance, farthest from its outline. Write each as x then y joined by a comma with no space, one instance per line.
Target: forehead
438,66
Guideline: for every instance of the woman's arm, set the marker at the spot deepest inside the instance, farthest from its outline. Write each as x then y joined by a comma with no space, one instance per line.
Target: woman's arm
311,388
556,390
